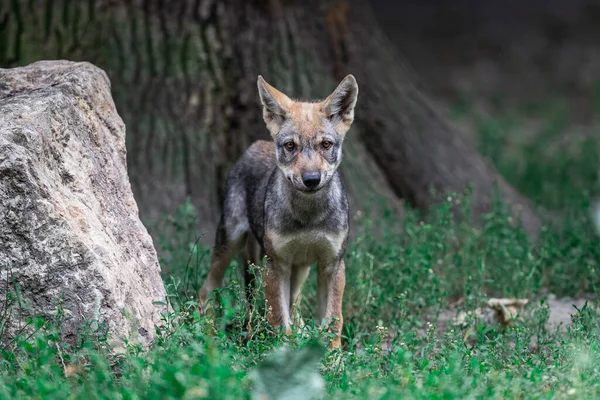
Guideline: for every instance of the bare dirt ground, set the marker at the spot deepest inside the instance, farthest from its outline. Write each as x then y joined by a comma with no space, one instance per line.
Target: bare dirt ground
558,321
560,312
559,318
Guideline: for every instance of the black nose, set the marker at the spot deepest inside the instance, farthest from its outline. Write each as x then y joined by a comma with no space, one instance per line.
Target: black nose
311,179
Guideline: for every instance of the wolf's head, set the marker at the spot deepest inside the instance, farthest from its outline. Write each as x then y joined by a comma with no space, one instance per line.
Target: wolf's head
309,136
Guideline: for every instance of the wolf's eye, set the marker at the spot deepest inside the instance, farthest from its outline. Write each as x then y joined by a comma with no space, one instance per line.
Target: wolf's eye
326,144
290,145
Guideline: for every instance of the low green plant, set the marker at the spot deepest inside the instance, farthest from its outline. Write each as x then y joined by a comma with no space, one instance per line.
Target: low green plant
404,278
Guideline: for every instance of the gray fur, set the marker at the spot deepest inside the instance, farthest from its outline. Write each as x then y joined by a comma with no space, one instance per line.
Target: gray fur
259,197
287,197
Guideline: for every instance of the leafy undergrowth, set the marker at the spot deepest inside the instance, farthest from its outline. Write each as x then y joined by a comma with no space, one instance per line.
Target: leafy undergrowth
541,147
398,282
401,275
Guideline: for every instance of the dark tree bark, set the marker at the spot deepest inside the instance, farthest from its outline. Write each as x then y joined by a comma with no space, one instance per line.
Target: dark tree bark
412,142
184,79
415,147
304,48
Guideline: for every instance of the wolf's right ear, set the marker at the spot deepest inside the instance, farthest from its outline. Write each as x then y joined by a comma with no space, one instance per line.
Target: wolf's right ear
276,105
339,106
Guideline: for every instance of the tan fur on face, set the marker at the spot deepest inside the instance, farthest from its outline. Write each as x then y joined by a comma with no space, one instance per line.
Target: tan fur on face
308,116
304,163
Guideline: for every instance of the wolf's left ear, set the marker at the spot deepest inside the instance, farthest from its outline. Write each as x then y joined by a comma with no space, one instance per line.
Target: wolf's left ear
339,106
276,105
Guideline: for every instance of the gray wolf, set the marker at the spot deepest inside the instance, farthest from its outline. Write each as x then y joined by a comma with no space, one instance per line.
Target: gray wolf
285,199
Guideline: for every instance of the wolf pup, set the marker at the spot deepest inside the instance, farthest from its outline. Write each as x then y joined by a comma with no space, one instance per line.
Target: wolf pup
285,199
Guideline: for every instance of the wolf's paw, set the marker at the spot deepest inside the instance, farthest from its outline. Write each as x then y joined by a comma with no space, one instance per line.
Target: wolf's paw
203,300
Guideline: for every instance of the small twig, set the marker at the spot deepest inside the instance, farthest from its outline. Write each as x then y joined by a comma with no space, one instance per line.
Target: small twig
62,360
369,292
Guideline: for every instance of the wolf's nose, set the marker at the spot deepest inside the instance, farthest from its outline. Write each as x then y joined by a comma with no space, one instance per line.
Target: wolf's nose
311,179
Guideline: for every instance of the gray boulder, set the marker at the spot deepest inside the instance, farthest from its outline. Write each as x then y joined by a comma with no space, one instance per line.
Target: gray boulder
70,234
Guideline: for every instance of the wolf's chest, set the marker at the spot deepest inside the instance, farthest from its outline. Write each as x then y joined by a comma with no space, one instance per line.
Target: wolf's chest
306,247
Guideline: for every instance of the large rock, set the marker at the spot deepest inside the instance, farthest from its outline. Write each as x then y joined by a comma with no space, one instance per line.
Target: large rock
69,225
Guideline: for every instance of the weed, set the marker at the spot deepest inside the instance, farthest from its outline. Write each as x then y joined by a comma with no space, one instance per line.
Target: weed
402,275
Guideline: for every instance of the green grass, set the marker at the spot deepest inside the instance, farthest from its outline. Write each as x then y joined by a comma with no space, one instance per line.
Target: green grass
399,280
540,149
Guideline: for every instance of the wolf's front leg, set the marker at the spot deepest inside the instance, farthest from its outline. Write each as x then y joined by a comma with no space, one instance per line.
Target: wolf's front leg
277,295
298,277
331,280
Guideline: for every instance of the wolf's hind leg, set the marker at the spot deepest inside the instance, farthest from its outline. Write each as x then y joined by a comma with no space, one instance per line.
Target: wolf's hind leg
228,242
252,254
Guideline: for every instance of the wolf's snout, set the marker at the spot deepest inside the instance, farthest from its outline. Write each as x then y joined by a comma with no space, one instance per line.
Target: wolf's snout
311,179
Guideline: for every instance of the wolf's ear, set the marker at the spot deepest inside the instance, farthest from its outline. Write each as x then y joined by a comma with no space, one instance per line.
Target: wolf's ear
339,106
276,105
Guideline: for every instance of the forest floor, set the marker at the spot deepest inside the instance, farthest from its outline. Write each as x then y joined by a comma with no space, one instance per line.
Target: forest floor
405,286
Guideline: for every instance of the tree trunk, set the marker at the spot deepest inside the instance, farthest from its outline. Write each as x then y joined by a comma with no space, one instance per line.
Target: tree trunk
184,75
416,146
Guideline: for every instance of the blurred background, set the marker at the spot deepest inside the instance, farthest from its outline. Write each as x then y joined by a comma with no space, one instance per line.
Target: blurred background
494,94
466,108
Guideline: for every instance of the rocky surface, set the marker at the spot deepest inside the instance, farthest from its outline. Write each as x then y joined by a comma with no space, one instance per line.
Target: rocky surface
69,225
